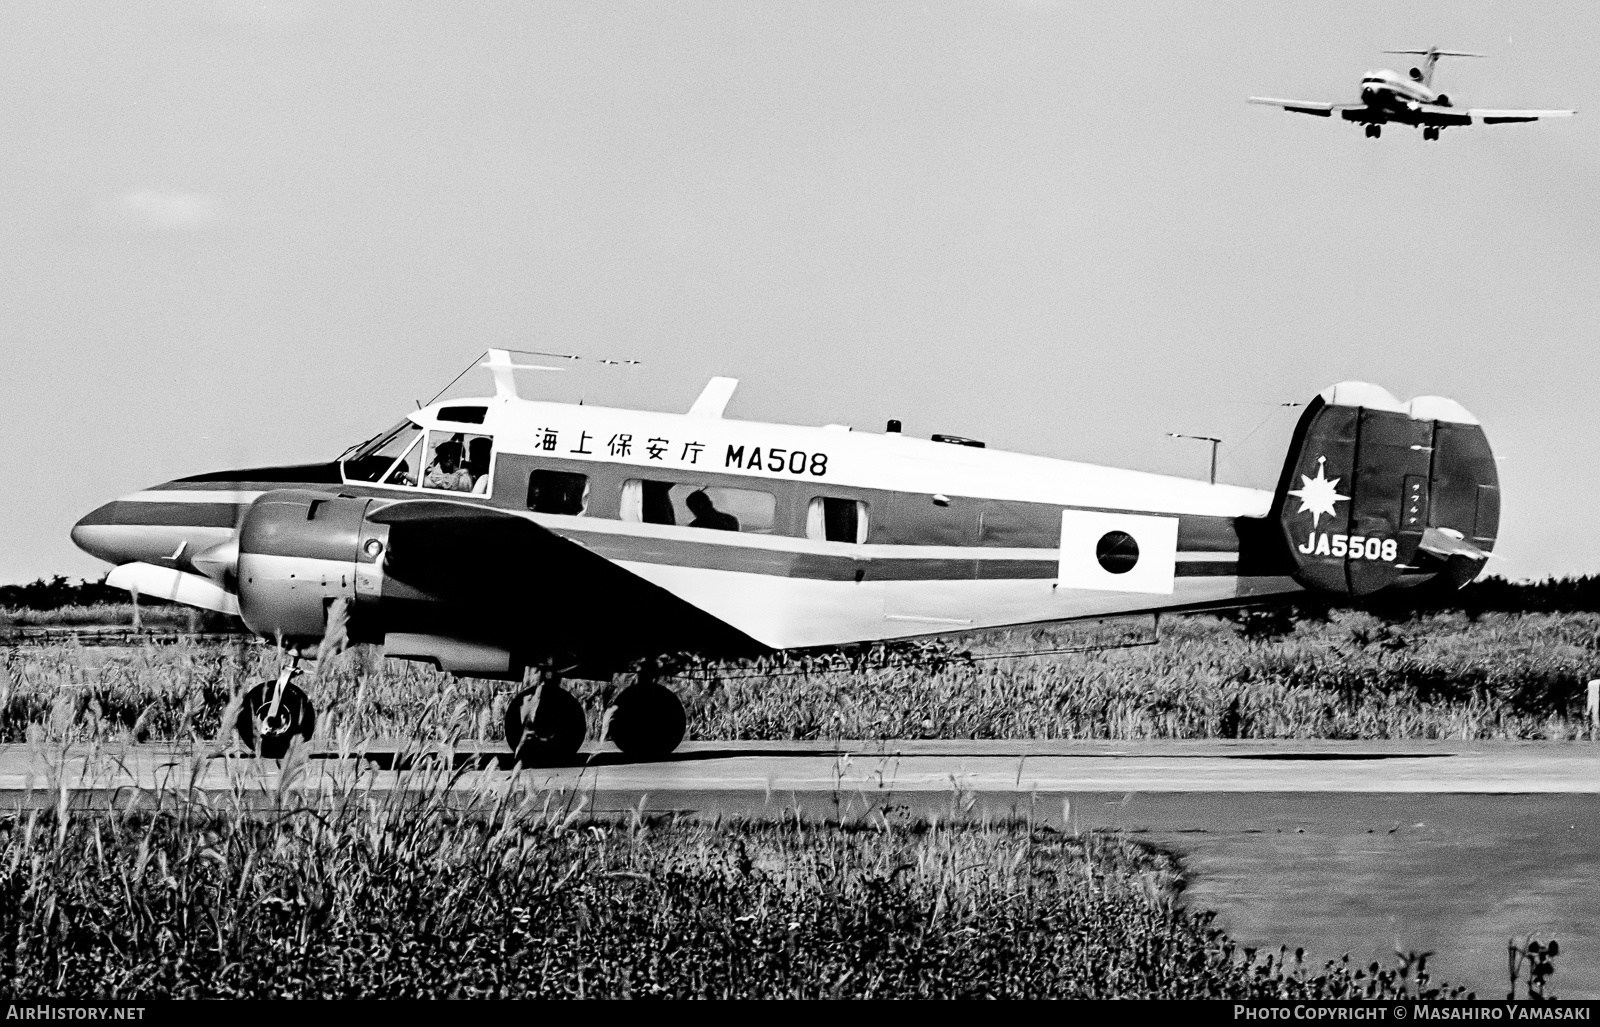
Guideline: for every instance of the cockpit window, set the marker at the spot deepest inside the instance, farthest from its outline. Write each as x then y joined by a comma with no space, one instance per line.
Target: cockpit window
390,458
457,462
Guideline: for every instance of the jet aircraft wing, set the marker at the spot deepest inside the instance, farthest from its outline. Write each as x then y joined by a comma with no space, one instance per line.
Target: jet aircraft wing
495,570
1321,110
1500,117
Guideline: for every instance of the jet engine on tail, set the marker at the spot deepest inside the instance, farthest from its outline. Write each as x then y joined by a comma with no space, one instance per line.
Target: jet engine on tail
1377,493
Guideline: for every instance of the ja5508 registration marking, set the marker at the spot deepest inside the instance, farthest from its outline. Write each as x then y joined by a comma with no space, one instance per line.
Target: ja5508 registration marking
1354,547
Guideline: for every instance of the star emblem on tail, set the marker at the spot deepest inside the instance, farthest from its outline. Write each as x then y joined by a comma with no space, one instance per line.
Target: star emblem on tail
1318,494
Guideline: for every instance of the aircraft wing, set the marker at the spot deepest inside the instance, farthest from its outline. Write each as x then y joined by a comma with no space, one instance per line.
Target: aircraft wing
1321,110
1501,117
502,576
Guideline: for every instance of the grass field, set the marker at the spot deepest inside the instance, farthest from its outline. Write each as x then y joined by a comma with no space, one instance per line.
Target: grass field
353,898
1447,676
349,897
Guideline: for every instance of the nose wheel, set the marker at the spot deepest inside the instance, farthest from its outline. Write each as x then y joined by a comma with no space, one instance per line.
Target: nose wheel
273,714
545,725
647,720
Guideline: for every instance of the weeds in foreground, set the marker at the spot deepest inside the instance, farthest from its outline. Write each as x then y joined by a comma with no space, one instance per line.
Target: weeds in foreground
347,898
1538,959
1352,676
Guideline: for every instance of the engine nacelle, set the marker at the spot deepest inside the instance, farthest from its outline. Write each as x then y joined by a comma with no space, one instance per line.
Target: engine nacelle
299,551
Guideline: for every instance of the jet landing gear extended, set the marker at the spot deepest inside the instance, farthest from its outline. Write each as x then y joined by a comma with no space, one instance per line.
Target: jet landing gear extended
1374,131
1430,134
545,725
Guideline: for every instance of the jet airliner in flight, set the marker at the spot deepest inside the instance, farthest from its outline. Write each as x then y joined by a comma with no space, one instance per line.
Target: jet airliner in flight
1410,99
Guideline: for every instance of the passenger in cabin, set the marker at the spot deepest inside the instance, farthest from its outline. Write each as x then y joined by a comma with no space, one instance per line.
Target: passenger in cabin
706,514
447,472
478,463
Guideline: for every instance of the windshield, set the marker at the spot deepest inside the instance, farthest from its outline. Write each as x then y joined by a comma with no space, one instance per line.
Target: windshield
374,457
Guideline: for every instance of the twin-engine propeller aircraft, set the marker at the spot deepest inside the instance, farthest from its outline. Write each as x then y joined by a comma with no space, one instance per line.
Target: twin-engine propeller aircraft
489,536
1388,96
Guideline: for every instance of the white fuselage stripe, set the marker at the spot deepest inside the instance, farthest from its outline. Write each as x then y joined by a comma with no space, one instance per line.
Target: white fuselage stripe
192,496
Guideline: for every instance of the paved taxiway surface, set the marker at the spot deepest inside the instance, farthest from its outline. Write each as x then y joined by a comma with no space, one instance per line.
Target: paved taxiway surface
1337,846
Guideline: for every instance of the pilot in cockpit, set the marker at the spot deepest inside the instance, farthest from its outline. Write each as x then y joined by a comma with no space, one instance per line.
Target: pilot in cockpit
401,475
446,471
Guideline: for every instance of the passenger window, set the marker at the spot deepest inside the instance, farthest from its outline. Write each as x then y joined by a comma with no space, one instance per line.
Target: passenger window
390,459
457,462
836,520
698,506
558,492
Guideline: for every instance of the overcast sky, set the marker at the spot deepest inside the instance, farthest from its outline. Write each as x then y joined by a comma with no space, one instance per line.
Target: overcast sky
236,232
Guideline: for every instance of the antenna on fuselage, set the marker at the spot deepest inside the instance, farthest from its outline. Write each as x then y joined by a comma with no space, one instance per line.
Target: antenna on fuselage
1430,57
499,364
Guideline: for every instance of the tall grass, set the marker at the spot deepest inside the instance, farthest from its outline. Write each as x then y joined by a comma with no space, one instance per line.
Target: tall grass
163,616
1447,676
345,896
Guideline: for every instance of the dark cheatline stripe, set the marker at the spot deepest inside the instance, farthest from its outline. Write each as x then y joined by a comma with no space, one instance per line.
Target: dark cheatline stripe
1207,569
178,515
265,477
839,568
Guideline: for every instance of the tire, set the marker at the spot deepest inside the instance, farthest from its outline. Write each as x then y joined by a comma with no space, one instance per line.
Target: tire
648,721
557,730
297,715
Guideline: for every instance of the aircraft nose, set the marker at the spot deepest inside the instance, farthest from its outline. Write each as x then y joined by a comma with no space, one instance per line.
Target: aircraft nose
99,534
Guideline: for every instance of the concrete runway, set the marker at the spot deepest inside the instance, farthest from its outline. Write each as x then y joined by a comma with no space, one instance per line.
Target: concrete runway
1336,846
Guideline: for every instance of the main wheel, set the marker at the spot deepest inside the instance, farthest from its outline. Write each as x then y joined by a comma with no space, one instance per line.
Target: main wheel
1430,134
545,726
267,733
647,720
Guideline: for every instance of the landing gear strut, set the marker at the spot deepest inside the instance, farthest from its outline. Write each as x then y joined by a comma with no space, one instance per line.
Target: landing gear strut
647,720
545,725
273,713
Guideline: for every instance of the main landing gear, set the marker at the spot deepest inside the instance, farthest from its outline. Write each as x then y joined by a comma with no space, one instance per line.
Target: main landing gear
647,720
1374,131
1430,134
273,713
545,724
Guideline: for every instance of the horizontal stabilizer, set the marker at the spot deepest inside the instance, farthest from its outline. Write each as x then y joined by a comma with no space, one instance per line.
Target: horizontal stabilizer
1445,543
